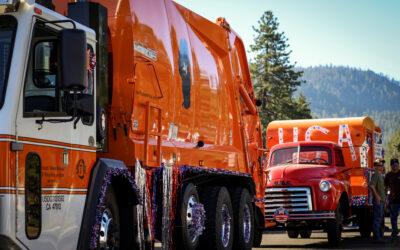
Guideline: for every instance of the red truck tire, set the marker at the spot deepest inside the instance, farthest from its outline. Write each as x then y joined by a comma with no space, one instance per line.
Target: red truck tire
334,227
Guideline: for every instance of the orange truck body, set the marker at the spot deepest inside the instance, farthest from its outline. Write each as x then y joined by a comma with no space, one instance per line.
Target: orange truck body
350,147
177,94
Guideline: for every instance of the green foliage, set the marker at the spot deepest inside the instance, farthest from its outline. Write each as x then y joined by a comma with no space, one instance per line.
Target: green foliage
336,91
275,79
393,148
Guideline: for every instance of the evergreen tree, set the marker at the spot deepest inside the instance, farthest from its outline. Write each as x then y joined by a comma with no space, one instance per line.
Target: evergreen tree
275,79
393,149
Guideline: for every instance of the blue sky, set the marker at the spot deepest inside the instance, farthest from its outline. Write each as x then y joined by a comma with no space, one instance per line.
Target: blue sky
357,33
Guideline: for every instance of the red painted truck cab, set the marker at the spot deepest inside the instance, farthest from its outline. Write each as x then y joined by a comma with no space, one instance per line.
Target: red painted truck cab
318,173
294,182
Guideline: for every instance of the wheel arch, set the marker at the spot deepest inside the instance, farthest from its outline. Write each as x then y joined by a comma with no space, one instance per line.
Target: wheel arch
120,178
344,203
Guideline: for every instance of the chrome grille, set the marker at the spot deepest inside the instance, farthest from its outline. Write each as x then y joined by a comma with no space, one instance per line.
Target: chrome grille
292,199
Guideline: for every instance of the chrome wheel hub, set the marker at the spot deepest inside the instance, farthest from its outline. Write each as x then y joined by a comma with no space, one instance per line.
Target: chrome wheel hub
190,227
226,225
106,232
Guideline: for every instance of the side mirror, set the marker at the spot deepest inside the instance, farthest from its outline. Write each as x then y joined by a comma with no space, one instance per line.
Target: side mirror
72,66
82,104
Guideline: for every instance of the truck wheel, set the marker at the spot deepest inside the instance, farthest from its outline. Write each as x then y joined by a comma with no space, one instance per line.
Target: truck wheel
219,230
364,220
109,237
185,231
257,238
305,234
334,228
293,234
244,219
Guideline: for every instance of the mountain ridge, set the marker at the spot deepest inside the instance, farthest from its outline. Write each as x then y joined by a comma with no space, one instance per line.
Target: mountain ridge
342,91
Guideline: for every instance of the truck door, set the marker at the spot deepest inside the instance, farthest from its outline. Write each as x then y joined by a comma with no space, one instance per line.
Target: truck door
52,157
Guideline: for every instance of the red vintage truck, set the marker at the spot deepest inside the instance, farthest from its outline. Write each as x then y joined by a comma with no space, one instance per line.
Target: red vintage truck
318,173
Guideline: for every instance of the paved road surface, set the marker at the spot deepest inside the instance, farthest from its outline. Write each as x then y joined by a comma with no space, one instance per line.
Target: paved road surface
351,240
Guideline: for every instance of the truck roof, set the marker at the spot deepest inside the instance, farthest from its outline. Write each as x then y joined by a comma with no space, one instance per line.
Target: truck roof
359,127
364,121
304,143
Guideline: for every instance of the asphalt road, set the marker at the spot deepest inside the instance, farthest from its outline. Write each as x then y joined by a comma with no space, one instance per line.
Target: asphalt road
350,240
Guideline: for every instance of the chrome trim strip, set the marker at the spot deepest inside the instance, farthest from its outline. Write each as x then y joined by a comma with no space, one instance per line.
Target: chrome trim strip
65,189
56,146
286,200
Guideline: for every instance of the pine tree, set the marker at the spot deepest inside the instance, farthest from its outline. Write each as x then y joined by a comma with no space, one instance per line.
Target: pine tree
274,78
393,149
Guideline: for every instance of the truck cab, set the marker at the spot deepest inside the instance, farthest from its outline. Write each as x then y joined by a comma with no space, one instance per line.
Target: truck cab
305,179
46,141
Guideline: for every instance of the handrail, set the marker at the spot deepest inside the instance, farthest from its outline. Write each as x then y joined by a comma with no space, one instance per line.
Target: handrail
148,133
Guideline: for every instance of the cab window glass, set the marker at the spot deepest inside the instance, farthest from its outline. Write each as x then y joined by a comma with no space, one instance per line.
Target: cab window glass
8,25
41,93
44,67
339,158
91,64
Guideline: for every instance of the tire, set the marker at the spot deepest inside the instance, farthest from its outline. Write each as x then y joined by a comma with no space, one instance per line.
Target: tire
183,236
305,234
110,229
218,207
364,221
244,219
257,238
293,234
334,228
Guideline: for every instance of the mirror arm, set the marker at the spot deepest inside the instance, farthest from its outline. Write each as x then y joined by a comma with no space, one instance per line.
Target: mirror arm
74,116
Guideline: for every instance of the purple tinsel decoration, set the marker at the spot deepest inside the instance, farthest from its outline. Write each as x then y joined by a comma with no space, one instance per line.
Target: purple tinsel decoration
198,218
112,172
258,200
227,222
197,170
247,219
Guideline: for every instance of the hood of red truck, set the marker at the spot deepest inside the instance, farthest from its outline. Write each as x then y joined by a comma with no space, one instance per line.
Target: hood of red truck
298,172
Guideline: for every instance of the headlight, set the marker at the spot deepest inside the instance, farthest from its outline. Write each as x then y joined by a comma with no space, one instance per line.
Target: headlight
325,186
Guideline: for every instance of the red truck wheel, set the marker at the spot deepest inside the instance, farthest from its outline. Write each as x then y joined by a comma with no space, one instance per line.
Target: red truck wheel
293,234
305,234
334,228
364,220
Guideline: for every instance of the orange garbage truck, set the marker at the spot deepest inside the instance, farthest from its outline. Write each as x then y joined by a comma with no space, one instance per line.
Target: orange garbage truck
318,174
125,122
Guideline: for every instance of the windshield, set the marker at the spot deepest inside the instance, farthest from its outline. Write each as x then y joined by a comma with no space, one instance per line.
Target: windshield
301,155
8,25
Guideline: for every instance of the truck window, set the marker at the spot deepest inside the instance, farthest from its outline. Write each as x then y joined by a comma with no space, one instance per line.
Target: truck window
41,93
91,63
339,158
314,155
8,25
